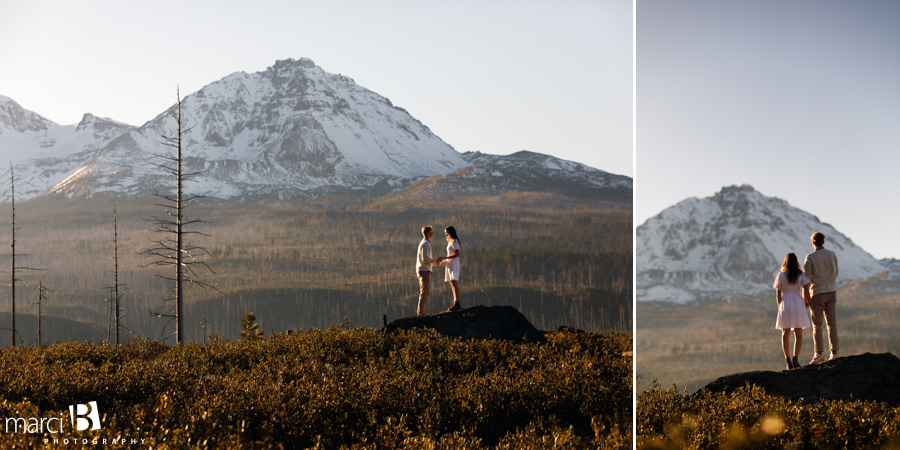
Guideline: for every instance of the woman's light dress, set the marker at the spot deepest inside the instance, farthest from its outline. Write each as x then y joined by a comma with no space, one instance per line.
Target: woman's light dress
792,312
452,272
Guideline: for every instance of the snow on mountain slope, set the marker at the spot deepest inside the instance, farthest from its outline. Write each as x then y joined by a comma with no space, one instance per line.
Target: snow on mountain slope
15,118
537,166
732,242
541,162
44,153
282,132
525,171
292,130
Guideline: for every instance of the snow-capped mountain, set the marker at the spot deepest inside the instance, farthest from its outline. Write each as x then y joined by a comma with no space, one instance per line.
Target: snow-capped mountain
524,168
525,171
732,242
44,153
293,130
15,118
276,133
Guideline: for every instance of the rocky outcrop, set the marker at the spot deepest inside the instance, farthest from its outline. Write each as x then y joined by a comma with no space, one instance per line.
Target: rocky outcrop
476,322
860,377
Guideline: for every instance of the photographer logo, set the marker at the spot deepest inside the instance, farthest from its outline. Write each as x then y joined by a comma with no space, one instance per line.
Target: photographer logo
85,417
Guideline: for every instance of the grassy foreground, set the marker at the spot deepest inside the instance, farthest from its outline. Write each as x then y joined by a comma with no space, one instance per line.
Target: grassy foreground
336,388
750,419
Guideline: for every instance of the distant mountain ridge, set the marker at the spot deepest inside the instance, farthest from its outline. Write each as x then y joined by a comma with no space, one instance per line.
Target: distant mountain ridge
732,242
290,131
44,153
525,171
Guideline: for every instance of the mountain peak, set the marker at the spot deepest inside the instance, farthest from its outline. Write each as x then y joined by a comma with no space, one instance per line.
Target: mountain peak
16,118
86,121
288,131
103,128
736,190
292,130
732,242
292,64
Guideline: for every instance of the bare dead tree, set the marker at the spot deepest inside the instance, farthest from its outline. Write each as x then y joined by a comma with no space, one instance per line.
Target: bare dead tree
42,295
172,250
13,285
14,266
109,323
115,294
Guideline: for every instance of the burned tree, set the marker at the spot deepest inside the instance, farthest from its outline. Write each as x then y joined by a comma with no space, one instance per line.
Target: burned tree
13,278
42,295
15,268
114,293
172,250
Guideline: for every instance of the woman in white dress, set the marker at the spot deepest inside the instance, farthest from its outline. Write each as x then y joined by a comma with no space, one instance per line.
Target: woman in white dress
452,261
793,306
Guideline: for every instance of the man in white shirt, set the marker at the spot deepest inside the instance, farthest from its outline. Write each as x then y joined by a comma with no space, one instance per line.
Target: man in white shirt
821,266
424,261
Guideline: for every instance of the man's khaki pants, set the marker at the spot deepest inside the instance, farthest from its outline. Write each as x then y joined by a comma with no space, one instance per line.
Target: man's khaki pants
424,291
822,306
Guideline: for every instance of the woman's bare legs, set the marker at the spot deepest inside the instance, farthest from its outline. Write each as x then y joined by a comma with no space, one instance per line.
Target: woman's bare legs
786,342
798,340
455,286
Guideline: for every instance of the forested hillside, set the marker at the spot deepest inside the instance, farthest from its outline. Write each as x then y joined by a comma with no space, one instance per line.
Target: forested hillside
308,263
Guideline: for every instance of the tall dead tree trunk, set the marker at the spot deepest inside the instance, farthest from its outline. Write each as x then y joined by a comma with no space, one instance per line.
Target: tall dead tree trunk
114,290
14,267
172,249
109,323
42,290
13,284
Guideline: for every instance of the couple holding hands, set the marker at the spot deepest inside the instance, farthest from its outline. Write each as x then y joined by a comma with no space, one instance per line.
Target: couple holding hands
425,260
811,288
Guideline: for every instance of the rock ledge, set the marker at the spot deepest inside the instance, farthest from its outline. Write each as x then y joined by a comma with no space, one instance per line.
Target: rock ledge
859,377
476,322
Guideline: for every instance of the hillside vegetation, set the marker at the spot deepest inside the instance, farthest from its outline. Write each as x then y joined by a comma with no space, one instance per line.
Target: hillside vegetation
749,419
307,263
336,388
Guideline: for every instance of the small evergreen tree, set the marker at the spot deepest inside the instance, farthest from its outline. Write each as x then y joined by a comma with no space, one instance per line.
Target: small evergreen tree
249,330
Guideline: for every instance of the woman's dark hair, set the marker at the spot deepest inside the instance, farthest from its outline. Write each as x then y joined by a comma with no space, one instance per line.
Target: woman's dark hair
452,232
791,267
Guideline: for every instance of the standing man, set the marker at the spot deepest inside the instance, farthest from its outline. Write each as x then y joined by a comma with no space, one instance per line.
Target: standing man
424,261
821,267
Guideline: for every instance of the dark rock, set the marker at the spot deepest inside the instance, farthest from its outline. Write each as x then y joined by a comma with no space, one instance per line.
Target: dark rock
859,377
476,322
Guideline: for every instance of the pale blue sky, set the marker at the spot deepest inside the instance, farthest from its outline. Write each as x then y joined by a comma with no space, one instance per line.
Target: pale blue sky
494,76
799,99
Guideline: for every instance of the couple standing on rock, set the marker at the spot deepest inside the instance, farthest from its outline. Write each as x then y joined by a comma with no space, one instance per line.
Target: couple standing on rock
811,288
425,260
